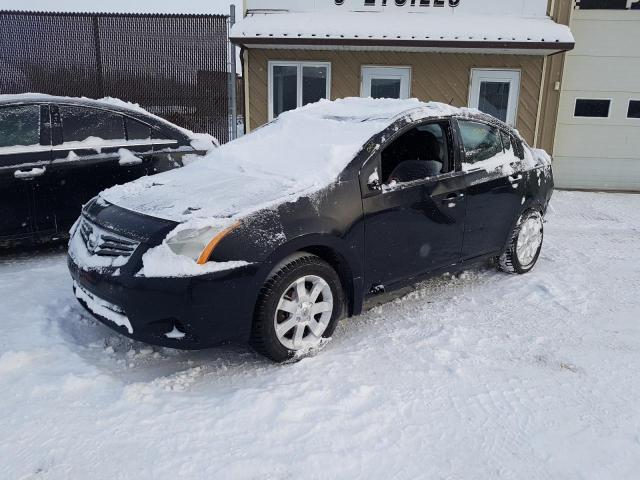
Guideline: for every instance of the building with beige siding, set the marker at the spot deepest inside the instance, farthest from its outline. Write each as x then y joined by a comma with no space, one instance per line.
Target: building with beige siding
504,57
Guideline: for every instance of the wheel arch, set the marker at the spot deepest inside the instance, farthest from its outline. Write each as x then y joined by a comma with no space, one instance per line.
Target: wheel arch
332,250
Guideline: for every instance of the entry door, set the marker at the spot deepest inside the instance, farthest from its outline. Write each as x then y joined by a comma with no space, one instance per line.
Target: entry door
386,82
496,92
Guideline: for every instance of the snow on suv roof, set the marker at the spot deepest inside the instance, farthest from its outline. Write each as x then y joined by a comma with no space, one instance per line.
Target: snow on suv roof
301,152
199,141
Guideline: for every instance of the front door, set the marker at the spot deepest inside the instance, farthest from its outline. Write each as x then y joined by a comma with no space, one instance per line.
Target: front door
414,221
25,152
495,187
386,82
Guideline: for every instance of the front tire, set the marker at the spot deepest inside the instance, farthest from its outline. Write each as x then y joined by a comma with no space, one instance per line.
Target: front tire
299,305
525,245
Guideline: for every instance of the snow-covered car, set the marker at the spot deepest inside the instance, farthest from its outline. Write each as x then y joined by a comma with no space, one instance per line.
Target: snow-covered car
293,226
56,153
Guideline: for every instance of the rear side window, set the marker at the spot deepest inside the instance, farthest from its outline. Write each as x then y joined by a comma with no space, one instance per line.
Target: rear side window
19,125
137,130
480,141
80,124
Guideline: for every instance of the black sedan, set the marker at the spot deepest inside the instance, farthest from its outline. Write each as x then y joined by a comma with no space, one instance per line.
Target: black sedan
294,226
56,153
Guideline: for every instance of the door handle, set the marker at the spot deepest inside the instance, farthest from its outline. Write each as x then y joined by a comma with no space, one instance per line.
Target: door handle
29,174
453,198
515,179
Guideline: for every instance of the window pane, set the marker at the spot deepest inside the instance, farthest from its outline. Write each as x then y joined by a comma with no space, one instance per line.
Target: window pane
634,109
480,141
79,123
385,87
494,99
20,125
422,152
137,130
285,88
592,108
314,84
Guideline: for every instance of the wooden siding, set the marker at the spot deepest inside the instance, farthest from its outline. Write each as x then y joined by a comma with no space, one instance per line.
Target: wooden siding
442,77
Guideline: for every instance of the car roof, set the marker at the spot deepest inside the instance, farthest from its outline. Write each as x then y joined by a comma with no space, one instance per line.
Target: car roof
106,103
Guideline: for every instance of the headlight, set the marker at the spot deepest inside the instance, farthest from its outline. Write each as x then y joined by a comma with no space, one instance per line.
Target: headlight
199,243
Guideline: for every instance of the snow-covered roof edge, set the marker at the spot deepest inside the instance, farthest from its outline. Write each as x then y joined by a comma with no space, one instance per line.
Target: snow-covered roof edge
403,31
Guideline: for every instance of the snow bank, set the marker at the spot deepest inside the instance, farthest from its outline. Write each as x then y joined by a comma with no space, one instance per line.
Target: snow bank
301,152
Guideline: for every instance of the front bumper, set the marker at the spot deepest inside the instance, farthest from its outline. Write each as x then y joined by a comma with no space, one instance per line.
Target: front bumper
185,313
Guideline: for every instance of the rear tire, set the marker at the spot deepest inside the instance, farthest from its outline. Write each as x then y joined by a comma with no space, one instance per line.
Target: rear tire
525,244
299,305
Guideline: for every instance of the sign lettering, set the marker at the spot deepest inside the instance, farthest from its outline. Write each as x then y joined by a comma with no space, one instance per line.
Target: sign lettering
412,3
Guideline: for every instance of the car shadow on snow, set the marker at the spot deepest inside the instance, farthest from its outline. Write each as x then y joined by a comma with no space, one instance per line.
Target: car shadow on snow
132,361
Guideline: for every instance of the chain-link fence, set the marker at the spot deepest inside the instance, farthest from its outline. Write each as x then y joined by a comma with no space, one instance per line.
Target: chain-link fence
175,66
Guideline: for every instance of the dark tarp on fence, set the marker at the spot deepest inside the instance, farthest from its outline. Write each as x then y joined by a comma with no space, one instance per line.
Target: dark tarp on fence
175,66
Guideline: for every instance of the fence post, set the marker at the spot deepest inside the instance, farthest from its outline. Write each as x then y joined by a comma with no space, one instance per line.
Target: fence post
232,84
96,43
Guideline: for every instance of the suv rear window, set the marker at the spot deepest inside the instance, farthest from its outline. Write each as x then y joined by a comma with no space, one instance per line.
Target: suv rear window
19,125
80,123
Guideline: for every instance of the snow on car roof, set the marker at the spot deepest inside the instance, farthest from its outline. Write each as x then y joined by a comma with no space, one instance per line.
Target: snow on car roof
404,30
301,152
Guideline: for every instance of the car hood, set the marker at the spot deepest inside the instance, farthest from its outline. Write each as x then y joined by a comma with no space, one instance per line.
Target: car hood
303,151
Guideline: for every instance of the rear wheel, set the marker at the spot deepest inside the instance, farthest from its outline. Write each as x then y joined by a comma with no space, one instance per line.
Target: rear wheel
299,305
526,243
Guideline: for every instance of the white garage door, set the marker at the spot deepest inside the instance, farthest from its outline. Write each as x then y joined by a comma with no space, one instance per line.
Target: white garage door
597,142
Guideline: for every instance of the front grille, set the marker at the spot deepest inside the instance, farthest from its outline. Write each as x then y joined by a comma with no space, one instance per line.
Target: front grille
105,244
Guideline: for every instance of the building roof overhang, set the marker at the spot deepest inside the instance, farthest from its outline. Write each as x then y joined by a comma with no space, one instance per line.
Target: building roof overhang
501,34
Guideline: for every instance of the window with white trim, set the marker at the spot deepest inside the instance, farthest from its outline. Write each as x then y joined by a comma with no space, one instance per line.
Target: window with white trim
495,92
294,84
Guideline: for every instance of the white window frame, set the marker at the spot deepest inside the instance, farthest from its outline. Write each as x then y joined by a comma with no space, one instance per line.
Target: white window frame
299,66
402,73
512,76
609,113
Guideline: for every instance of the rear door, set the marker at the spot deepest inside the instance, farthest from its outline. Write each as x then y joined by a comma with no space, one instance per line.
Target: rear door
25,151
495,187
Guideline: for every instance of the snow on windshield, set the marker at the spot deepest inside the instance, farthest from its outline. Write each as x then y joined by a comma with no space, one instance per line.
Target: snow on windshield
301,152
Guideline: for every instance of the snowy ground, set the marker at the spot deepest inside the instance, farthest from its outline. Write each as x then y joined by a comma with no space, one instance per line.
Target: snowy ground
479,376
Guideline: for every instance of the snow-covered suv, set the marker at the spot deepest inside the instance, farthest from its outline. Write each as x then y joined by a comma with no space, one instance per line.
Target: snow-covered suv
56,153
274,237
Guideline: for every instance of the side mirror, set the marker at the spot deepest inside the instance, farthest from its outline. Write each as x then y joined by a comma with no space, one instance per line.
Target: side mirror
373,183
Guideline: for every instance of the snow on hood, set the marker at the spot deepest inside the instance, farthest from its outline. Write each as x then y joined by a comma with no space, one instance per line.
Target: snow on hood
301,152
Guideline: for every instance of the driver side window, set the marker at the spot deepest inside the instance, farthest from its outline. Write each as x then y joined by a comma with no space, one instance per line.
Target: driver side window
422,152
